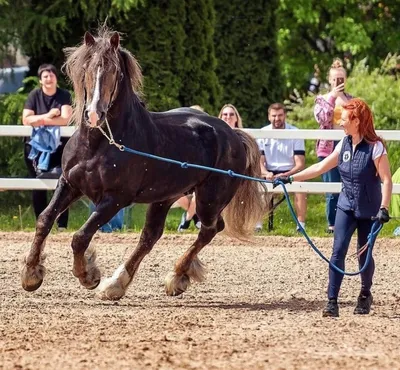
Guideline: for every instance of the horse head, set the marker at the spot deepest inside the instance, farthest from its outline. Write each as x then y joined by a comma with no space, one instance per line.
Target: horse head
101,79
98,69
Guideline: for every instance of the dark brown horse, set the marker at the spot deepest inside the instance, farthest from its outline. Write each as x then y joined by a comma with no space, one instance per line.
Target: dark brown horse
107,82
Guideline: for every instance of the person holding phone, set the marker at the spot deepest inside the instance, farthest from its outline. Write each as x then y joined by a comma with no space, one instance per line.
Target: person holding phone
366,191
327,112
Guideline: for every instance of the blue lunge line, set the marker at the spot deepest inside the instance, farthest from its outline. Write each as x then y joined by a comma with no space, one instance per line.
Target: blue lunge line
376,227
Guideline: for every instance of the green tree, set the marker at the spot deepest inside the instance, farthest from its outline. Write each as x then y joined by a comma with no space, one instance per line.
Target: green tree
315,31
199,80
41,28
155,34
247,53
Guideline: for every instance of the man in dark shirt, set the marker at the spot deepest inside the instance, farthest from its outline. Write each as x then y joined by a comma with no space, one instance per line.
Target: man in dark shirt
48,107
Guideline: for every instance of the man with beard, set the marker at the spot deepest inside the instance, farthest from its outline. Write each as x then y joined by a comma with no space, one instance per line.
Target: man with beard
283,157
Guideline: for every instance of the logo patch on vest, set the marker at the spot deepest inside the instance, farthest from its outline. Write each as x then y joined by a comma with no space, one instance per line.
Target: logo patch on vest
346,156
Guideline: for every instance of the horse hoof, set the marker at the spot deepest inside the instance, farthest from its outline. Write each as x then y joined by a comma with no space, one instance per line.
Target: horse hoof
91,279
176,284
91,284
110,290
32,277
32,287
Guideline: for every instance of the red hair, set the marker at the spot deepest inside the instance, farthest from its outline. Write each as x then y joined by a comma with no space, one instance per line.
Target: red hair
358,109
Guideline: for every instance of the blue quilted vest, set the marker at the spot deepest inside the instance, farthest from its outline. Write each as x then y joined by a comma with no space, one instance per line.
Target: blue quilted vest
361,189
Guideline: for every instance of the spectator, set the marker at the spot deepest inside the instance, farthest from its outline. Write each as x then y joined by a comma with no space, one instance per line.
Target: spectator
363,164
116,223
327,111
188,202
283,157
231,116
46,109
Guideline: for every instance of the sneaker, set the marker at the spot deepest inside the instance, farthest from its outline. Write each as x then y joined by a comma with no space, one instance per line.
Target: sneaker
331,309
303,225
259,227
329,231
197,222
184,225
363,305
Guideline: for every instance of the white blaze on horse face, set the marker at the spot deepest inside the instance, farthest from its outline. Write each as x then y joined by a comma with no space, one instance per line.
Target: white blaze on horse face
92,112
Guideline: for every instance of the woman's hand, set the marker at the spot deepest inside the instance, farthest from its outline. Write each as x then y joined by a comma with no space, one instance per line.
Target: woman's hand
337,90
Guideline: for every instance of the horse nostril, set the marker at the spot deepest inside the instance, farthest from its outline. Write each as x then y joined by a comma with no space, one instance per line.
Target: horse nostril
86,115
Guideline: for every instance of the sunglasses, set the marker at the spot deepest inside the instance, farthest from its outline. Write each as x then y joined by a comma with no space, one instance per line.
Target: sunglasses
228,114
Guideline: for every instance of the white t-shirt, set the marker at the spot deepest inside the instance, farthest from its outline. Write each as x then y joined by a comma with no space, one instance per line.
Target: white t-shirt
279,153
377,151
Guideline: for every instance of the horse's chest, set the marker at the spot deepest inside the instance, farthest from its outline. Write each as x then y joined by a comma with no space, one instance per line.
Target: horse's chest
95,175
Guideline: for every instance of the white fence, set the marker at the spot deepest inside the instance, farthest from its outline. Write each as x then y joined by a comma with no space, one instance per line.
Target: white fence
304,187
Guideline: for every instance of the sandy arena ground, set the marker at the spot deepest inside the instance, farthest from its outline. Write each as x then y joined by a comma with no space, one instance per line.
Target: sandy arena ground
260,308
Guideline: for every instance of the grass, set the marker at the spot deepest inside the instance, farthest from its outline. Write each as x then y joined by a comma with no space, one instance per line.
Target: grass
16,214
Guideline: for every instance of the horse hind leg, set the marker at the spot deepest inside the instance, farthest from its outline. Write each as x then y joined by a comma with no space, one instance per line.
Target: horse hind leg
91,276
189,268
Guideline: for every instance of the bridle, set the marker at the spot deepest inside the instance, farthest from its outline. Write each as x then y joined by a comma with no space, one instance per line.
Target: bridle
118,80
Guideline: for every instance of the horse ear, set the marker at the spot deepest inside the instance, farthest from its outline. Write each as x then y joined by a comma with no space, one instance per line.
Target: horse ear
89,39
114,40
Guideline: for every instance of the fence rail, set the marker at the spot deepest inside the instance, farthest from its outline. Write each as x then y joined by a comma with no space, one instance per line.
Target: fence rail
298,187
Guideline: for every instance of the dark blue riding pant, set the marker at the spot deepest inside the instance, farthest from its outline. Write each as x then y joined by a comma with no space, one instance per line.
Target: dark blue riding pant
345,225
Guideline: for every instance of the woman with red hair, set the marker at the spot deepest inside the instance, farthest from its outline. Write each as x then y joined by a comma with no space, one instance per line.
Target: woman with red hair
364,168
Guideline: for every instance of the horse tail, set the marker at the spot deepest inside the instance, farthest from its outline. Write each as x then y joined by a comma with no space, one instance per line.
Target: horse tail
250,202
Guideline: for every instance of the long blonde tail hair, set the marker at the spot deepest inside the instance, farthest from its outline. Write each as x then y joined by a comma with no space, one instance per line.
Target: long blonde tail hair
250,202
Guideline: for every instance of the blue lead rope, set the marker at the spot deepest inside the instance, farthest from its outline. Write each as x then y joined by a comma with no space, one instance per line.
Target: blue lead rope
376,227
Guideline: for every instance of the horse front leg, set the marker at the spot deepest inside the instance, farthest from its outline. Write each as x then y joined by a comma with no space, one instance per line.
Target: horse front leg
115,287
33,270
84,265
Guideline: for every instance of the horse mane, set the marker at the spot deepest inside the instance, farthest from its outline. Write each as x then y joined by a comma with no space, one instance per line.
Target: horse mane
80,57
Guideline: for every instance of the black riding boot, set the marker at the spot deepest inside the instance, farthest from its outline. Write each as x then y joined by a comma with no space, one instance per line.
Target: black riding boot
331,309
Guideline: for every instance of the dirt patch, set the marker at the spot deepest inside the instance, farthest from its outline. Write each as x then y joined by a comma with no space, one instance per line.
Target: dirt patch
260,307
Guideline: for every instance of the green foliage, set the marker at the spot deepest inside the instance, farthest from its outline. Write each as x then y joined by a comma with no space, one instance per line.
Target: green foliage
380,89
200,83
246,49
173,41
42,28
315,31
155,34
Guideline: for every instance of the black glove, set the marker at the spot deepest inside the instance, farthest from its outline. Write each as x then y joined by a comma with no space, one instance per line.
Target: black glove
283,179
383,216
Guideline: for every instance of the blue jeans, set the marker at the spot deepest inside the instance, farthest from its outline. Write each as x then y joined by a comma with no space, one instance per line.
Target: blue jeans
115,223
331,198
346,224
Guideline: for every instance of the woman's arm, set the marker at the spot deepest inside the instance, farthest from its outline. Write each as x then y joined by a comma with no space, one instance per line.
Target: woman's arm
323,111
318,168
383,167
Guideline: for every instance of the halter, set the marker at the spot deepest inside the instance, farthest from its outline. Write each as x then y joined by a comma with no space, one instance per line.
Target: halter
110,138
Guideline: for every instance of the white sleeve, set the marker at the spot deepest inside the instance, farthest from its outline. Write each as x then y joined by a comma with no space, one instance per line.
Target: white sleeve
338,147
260,143
378,150
299,145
